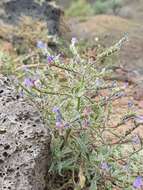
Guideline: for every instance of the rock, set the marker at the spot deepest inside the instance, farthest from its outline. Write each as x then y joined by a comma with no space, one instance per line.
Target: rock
24,22
132,9
12,10
24,142
138,91
125,12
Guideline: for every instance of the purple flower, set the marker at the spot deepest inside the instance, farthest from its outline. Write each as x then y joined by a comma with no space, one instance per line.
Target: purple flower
104,166
56,110
74,41
86,123
138,183
67,125
32,81
126,84
58,117
41,45
50,58
59,125
21,93
130,104
136,139
59,122
28,82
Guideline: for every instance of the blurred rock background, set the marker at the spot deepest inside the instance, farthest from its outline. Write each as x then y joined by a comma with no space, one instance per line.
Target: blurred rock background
132,9
108,20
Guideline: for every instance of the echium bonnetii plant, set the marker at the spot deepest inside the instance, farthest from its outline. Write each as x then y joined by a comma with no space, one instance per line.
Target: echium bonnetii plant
87,152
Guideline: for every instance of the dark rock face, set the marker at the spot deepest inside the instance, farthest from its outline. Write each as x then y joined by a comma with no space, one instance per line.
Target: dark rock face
12,10
24,142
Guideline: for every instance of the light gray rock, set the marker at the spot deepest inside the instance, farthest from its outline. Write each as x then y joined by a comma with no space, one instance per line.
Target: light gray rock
24,142
126,12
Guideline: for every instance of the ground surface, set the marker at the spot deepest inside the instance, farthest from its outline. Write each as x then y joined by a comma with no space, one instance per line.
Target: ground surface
120,109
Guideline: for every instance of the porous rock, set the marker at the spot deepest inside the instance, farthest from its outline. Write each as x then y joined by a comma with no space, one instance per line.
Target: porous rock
24,142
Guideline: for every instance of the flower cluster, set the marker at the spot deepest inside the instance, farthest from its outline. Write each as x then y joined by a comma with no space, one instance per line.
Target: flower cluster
138,183
41,45
104,166
59,120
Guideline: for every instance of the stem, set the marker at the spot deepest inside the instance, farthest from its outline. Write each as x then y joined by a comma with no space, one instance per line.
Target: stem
52,93
65,139
44,65
78,103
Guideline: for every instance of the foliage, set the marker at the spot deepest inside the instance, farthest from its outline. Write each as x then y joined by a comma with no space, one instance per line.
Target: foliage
79,8
86,151
103,6
83,8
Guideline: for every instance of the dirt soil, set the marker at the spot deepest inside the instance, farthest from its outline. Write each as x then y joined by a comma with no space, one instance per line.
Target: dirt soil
121,108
